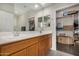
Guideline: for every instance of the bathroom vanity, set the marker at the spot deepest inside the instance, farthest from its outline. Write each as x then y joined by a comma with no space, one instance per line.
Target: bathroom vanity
28,45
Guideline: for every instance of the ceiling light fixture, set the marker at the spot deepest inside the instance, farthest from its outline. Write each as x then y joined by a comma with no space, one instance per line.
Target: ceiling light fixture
36,5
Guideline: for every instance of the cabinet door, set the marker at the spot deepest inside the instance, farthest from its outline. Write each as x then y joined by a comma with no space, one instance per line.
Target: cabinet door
20,53
49,41
41,48
45,45
32,50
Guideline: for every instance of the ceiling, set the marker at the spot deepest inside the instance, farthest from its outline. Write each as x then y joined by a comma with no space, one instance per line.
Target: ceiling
26,8
21,8
29,7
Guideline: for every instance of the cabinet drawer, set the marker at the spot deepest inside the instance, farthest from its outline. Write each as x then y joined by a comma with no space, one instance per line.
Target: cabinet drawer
43,37
20,53
32,50
11,48
31,41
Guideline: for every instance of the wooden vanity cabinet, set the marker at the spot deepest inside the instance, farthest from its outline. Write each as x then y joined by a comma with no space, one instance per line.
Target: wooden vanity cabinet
36,46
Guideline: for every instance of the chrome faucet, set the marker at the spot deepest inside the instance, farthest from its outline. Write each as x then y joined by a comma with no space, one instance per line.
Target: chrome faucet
16,31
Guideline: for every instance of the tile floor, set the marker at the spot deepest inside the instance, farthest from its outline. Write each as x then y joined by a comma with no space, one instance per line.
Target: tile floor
58,53
71,49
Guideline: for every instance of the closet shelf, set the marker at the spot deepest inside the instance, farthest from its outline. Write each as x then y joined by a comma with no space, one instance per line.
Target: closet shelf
64,16
69,15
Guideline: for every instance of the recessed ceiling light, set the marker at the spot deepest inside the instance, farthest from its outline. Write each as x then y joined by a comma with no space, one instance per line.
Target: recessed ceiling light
36,5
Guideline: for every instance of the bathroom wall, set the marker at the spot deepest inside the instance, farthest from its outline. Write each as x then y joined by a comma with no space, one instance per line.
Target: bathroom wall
8,7
6,21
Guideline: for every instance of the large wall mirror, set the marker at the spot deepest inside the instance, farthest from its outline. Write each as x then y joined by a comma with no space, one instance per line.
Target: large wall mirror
23,17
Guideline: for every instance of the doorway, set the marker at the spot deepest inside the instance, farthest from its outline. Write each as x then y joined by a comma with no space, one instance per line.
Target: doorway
67,30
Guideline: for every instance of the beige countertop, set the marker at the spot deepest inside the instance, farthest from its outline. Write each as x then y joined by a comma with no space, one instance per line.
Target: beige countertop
8,37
